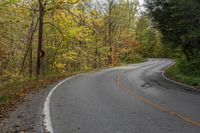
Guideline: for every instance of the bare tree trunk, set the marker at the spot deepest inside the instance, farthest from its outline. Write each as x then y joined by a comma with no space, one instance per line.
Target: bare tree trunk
96,55
32,31
29,42
30,61
129,13
110,42
100,64
40,36
109,34
110,29
24,60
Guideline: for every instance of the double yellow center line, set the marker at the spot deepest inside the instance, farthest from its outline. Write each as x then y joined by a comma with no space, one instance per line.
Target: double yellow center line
155,105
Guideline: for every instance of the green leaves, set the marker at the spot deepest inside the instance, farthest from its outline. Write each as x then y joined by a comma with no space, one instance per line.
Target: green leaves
14,1
179,22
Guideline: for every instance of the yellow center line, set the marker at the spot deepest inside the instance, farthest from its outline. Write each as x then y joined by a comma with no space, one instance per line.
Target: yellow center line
155,105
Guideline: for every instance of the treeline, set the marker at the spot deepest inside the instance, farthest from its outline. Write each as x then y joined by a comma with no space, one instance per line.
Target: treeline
179,23
38,37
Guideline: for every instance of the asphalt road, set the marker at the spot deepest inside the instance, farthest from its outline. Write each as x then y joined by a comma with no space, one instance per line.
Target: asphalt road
129,99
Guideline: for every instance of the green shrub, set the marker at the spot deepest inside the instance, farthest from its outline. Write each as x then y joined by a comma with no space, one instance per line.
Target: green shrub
191,68
188,73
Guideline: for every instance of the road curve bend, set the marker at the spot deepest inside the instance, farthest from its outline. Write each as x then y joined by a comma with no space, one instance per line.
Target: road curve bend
128,99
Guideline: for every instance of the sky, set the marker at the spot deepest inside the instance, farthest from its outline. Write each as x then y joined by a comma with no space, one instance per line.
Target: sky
141,2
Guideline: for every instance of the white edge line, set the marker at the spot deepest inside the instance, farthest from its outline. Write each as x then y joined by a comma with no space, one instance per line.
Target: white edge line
46,122
173,81
47,125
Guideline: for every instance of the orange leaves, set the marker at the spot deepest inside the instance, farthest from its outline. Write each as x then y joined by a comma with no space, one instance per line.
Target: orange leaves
129,41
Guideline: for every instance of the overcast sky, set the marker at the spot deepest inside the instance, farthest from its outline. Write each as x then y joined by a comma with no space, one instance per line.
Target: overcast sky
141,2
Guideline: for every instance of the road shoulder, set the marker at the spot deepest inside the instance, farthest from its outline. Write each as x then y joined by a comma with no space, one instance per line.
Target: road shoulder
27,117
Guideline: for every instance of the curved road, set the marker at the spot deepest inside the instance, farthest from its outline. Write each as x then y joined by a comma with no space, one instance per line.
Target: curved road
128,99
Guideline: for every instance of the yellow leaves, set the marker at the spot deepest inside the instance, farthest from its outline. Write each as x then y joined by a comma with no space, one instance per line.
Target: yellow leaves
59,66
63,17
81,33
94,13
70,28
72,1
10,75
69,56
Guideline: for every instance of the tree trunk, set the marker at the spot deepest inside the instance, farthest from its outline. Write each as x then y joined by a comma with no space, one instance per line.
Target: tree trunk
29,43
40,36
100,64
186,55
110,36
24,59
32,31
184,49
96,55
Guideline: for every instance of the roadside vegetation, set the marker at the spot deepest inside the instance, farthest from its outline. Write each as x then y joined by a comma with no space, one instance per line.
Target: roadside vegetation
188,73
43,41
179,23
14,92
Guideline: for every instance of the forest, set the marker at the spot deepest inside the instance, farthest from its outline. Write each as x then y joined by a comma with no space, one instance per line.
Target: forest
45,38
41,37
179,23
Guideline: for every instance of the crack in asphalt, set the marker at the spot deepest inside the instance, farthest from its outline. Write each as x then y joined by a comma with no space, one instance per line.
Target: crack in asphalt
153,104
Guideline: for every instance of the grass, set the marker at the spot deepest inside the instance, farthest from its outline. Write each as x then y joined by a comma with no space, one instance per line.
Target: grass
180,73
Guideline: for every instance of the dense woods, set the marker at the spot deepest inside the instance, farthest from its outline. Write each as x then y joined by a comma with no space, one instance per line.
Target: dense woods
39,37
179,23
42,37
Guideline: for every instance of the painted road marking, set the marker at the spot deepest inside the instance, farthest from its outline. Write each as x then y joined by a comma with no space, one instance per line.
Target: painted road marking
155,105
47,124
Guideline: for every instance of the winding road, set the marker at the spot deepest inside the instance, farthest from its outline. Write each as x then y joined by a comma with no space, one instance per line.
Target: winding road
128,99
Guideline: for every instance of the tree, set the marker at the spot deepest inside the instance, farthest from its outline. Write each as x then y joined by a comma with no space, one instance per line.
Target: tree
179,22
76,35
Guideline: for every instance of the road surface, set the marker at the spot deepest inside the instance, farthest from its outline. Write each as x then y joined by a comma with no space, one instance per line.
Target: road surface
128,99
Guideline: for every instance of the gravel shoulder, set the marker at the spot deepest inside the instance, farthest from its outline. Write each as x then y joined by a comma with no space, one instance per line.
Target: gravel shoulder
27,117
